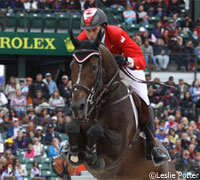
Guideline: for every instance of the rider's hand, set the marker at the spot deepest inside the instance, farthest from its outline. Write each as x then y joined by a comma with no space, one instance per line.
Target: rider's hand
124,61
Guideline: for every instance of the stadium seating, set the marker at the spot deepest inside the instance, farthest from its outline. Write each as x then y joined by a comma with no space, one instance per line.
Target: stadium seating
63,23
37,22
10,22
23,23
50,23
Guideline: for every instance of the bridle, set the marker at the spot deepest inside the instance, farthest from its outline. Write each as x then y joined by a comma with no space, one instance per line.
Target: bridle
93,100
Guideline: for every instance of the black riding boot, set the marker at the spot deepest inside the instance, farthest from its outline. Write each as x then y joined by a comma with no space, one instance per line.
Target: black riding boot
154,153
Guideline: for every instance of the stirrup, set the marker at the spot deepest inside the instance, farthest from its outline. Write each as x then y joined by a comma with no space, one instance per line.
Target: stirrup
161,150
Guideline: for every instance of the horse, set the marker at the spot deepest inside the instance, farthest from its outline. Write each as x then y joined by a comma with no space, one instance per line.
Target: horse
104,133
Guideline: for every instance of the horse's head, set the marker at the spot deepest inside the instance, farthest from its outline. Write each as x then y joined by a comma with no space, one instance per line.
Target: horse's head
88,74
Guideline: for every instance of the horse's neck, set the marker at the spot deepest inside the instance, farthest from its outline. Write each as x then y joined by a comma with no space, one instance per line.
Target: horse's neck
109,64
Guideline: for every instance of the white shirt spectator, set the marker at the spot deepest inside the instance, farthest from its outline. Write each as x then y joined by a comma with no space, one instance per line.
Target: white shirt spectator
3,99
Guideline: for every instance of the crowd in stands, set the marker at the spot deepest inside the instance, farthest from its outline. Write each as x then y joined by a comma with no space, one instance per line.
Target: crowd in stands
34,113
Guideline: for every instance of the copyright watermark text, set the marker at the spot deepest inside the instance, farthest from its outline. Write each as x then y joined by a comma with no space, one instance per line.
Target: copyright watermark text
170,175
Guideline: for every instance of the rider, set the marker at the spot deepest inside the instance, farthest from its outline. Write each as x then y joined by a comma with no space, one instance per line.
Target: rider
127,53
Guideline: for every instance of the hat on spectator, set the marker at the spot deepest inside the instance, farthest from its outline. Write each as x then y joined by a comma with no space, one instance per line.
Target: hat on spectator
168,92
171,78
47,74
181,79
171,21
15,119
142,29
171,117
21,80
59,110
51,126
166,140
23,130
31,109
161,129
65,77
39,128
173,146
29,79
54,118
9,140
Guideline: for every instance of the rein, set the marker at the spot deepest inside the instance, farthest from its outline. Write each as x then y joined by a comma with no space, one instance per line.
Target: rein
142,81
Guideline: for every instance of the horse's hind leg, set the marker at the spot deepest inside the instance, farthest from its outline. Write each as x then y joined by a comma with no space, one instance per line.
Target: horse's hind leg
74,157
94,161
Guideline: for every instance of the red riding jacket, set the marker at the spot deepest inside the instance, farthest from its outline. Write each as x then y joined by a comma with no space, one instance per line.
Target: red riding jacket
119,42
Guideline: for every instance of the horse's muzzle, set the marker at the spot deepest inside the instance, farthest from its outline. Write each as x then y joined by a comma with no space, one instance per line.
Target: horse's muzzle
78,108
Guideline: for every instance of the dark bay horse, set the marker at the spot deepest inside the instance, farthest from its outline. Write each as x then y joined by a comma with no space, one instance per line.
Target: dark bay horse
104,133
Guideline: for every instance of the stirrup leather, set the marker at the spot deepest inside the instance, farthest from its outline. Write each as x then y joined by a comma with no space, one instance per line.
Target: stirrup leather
161,150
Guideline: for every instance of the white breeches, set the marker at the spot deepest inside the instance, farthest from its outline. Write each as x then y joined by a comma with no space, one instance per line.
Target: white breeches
139,88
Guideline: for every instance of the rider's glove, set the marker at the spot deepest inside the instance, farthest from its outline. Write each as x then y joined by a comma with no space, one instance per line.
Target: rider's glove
124,61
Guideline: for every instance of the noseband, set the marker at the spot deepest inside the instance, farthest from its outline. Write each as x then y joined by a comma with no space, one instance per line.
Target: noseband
92,99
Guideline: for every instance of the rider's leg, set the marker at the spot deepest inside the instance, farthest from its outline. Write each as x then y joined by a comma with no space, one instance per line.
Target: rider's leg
141,90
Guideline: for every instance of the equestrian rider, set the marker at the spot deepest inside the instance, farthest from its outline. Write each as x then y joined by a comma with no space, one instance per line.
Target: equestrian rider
127,53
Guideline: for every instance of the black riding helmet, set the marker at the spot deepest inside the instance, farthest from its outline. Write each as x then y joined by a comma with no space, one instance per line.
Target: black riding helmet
92,18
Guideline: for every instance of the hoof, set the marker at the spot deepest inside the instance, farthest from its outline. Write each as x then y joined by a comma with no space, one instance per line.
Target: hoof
99,165
76,160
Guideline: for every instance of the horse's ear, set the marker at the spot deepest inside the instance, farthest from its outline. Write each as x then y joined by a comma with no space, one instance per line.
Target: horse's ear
98,39
75,41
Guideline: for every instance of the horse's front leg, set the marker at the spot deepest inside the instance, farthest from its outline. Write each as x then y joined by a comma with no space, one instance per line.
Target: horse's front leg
75,158
94,160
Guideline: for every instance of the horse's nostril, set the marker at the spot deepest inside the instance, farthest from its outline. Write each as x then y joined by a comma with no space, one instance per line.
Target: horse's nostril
82,106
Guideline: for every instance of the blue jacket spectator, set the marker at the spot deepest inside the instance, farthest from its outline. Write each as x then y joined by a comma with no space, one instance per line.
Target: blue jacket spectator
169,100
195,91
21,142
54,148
50,83
50,134
161,134
158,31
12,131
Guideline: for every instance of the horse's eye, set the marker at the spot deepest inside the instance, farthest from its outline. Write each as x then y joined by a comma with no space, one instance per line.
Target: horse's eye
94,68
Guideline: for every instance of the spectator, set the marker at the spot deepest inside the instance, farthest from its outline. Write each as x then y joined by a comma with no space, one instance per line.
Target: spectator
5,5
173,7
117,4
161,134
171,29
18,103
56,100
142,16
17,5
32,116
63,88
187,23
11,88
10,171
184,141
30,5
12,131
158,30
38,84
3,102
13,115
39,99
166,143
161,53
197,162
184,163
20,141
9,145
129,15
39,134
172,135
50,83
173,153
195,91
30,126
195,38
20,169
26,90
174,91
160,8
54,120
186,105
197,51
191,149
5,125
147,51
38,148
166,36
188,55
149,7
35,170
44,118
178,146
183,88
54,148
60,126
88,4
50,134
170,102
30,152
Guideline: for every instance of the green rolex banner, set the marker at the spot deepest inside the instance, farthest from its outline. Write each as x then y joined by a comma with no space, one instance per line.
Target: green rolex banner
17,43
